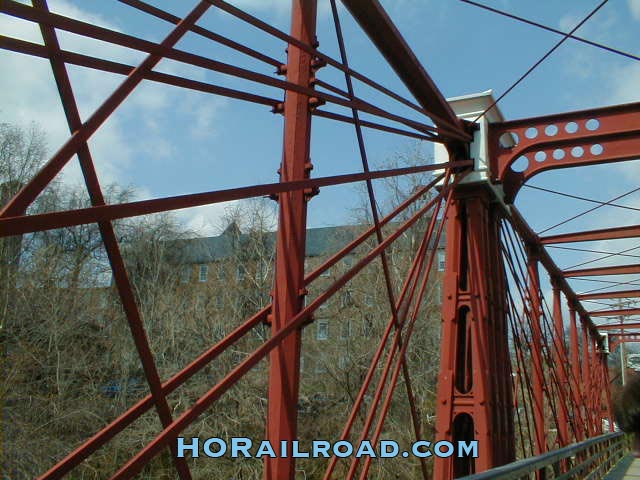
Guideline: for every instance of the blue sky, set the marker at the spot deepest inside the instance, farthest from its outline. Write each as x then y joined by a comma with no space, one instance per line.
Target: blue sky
168,141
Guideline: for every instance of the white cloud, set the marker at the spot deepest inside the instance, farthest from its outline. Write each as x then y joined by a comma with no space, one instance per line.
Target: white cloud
624,83
207,220
28,94
634,6
279,7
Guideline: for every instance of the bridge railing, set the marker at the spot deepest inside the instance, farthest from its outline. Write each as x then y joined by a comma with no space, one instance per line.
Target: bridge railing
590,460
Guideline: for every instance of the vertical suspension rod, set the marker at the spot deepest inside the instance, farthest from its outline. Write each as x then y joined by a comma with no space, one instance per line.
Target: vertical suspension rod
288,294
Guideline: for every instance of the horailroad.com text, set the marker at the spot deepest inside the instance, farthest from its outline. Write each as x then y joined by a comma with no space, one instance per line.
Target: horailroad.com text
245,447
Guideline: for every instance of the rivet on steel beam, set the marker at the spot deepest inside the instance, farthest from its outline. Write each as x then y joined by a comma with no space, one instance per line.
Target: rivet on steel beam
315,102
318,63
268,320
308,166
310,319
281,69
309,193
278,108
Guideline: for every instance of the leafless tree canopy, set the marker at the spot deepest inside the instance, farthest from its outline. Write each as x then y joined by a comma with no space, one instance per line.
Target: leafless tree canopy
71,367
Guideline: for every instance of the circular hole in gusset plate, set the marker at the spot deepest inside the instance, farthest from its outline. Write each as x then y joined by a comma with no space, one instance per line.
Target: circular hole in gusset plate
577,152
596,149
558,154
571,127
592,124
520,165
540,157
509,140
531,132
551,130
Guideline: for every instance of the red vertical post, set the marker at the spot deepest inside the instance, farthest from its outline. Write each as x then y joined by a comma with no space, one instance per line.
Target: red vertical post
474,399
575,371
284,369
560,355
599,405
586,379
607,390
537,374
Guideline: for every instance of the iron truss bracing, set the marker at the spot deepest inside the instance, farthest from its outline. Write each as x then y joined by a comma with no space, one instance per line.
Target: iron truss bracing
506,370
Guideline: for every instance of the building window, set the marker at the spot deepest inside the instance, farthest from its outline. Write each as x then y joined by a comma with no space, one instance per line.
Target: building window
326,273
219,301
240,273
343,362
203,273
320,367
368,300
441,261
201,302
345,329
348,261
323,330
218,331
367,326
185,274
346,299
222,274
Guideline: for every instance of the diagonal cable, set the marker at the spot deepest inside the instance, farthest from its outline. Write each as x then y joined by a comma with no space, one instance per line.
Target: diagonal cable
577,197
588,250
376,221
544,57
551,29
613,284
604,204
603,258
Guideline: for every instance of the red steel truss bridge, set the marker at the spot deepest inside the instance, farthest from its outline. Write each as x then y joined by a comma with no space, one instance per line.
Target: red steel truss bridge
506,370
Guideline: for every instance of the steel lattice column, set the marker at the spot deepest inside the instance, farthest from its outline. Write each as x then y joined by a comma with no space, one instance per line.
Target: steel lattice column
284,374
474,389
537,368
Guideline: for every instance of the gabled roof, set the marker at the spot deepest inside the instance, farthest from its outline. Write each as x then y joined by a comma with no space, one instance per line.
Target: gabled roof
320,242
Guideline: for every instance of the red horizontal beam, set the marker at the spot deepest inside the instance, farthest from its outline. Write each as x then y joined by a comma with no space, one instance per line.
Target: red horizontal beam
47,221
606,295
111,36
137,462
618,326
376,126
108,432
615,313
37,50
271,30
529,236
601,234
587,137
203,32
617,270
376,23
116,426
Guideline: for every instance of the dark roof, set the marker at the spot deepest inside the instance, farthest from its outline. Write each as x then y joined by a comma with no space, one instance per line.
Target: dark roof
320,241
